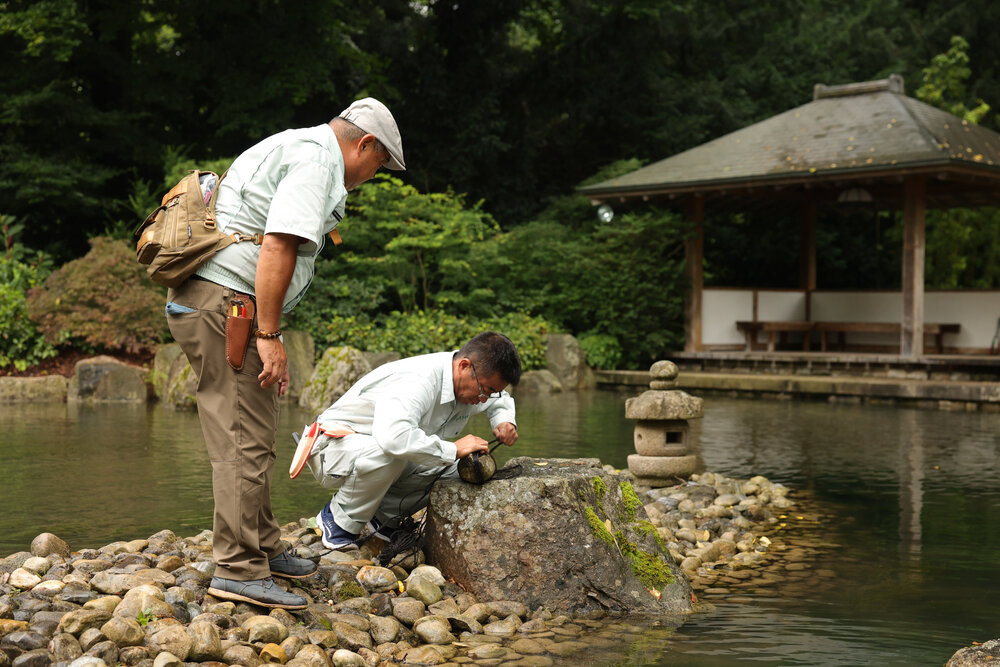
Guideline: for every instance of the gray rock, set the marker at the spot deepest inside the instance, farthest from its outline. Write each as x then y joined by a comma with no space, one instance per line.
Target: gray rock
428,572
90,637
65,648
76,622
24,640
445,607
982,655
407,610
106,651
291,646
376,579
433,630
167,659
301,351
424,590
24,579
345,658
172,639
310,656
655,404
538,382
47,389
144,599
503,628
205,642
539,538
104,379
241,655
38,657
384,629
165,356
350,637
265,629
88,661
566,360
337,370
663,370
505,608
47,544
182,383
133,655
123,631
462,623
376,359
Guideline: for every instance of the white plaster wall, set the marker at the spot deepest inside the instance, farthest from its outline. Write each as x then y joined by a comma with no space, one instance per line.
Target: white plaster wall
720,310
976,311
866,306
783,306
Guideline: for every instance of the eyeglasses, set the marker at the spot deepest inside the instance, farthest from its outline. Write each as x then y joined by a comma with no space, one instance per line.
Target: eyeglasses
482,392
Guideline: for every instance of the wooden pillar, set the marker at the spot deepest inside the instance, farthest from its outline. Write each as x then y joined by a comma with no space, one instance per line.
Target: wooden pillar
914,206
694,253
807,251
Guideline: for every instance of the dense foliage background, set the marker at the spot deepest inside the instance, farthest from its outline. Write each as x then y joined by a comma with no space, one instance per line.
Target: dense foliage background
504,107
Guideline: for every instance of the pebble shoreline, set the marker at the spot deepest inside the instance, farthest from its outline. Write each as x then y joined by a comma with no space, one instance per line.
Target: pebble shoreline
144,602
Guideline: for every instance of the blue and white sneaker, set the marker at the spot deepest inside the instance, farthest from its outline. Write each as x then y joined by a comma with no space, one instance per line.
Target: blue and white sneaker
334,537
382,531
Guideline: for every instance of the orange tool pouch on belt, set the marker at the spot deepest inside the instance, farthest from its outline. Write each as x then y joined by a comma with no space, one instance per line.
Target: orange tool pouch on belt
239,325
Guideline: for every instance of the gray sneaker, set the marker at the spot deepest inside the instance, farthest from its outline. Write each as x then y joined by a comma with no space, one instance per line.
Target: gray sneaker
263,592
288,565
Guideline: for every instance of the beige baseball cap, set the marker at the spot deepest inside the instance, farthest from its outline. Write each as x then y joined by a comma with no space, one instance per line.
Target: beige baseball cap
374,117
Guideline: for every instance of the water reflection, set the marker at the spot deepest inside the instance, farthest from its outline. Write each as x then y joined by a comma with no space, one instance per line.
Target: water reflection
911,498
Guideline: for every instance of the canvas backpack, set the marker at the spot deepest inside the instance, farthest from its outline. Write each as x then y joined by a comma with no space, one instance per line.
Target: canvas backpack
180,235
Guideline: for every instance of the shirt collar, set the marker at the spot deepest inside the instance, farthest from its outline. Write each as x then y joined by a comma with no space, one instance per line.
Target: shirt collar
448,379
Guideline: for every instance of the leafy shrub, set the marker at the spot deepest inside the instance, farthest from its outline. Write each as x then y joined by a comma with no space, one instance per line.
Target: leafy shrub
101,301
601,350
624,278
20,344
422,332
418,246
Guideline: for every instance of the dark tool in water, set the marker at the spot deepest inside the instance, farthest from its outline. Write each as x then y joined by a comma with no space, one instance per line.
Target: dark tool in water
478,467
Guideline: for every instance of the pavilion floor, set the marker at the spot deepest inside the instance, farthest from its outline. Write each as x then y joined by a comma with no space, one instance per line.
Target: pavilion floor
953,382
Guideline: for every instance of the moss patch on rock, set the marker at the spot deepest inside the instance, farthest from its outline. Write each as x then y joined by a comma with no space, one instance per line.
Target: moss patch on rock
597,526
630,500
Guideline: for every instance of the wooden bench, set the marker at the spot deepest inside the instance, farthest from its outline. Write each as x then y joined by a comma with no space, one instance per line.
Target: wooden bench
936,329
773,330
778,330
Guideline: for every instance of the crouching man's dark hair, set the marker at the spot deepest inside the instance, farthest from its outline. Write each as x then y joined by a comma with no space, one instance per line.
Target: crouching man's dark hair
493,352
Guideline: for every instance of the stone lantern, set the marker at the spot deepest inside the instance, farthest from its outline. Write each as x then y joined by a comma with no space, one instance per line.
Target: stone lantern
662,436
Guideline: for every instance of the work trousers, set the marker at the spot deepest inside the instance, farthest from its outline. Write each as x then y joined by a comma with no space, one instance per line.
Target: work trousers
371,483
238,421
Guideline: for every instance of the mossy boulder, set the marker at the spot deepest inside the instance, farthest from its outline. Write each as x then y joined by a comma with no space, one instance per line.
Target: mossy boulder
104,379
337,370
562,534
182,384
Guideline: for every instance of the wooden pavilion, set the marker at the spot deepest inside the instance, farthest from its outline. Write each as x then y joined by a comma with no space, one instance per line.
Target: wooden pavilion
866,141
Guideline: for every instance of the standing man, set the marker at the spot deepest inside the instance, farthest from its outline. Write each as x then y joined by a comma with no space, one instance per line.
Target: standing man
290,189
384,442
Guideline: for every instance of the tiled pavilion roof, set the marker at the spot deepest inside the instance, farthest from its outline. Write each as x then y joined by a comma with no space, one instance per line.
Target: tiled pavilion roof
857,135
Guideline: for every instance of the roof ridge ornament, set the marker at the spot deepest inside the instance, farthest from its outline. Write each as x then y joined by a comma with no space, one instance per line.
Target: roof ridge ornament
894,84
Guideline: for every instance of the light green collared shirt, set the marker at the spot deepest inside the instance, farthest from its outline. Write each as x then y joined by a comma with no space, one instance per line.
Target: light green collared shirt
290,183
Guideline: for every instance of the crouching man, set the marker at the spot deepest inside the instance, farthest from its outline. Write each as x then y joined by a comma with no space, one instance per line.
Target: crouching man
384,443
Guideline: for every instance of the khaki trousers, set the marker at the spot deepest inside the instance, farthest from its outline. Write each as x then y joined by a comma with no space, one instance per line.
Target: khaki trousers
238,420
371,483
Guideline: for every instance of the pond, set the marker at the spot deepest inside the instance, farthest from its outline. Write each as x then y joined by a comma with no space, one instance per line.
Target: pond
910,499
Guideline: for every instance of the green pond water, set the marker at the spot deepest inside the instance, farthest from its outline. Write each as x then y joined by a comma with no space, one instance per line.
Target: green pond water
910,499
